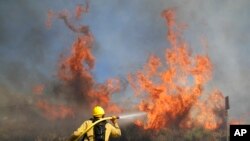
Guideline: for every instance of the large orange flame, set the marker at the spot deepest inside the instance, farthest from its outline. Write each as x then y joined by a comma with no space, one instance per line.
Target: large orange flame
170,89
78,85
75,70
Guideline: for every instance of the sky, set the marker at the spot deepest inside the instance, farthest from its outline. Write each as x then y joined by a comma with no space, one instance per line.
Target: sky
125,32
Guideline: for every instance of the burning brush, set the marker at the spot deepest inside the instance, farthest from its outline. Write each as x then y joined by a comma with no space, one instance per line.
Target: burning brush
171,91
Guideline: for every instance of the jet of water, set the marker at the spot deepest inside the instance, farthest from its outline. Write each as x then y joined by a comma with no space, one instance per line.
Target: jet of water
130,116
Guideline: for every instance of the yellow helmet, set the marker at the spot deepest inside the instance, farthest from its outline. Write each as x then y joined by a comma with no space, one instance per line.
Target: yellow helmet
98,111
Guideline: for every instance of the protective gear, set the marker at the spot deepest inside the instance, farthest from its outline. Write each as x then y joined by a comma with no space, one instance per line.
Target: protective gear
99,130
114,120
98,111
113,131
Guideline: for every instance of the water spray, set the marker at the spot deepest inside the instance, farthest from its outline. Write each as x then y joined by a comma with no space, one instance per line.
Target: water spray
130,116
127,116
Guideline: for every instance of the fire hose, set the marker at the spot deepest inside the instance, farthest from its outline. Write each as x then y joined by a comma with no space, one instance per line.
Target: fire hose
93,124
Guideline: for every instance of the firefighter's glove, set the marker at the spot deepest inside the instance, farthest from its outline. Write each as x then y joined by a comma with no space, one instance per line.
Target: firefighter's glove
114,119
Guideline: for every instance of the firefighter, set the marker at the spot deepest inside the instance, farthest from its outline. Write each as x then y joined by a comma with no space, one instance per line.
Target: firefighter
101,131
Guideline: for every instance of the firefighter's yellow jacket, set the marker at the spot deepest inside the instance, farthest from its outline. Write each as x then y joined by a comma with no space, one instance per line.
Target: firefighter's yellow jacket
113,131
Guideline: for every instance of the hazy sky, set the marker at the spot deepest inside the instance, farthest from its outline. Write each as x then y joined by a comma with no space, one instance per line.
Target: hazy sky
126,32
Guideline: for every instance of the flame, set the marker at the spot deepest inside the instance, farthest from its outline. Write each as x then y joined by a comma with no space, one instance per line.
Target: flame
54,111
171,88
100,95
80,9
38,89
48,22
242,119
236,121
208,113
75,72
77,84
80,61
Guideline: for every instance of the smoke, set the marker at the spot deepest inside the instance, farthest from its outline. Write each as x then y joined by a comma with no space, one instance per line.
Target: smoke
125,32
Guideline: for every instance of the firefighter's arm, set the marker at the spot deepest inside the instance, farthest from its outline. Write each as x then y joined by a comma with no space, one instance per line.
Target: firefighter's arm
78,132
115,130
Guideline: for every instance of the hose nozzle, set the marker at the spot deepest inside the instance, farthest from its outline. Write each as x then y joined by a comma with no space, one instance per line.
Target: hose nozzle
115,117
